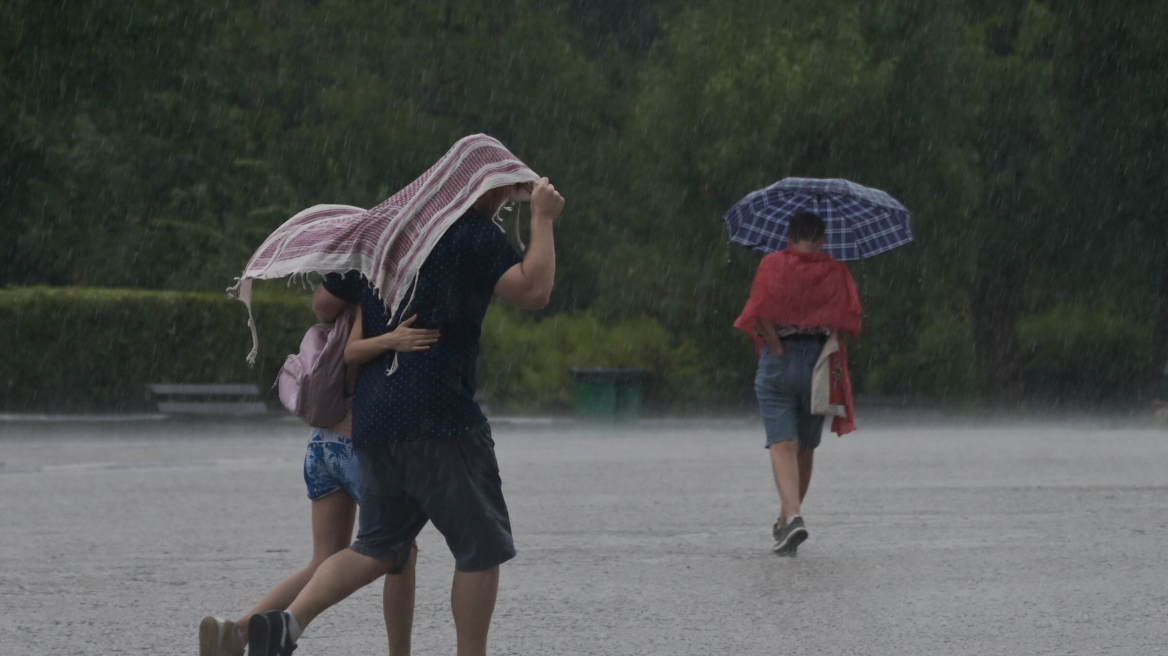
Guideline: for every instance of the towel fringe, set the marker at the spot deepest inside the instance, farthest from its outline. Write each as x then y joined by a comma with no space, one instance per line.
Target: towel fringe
518,236
391,368
241,291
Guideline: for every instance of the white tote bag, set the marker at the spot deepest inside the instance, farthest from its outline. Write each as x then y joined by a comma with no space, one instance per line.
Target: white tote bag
821,382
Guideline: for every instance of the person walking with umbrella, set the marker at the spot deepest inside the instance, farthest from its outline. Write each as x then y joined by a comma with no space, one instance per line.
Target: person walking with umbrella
802,300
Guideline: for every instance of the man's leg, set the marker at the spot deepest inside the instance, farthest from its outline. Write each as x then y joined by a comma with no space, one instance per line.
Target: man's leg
472,599
389,521
275,633
780,417
461,492
398,606
338,577
785,466
810,429
806,460
332,530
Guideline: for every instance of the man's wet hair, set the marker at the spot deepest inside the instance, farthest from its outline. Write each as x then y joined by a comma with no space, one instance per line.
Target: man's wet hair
805,226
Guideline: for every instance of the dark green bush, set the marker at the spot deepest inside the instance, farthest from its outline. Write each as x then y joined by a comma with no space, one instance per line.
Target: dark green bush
1074,353
95,350
941,366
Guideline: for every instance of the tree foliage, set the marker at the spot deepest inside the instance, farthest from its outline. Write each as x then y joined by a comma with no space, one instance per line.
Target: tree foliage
154,144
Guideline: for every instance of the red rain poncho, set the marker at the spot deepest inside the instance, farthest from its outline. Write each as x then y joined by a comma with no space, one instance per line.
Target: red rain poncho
807,289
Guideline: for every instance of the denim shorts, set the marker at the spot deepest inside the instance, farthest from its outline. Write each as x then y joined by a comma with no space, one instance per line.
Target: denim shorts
330,465
451,481
783,387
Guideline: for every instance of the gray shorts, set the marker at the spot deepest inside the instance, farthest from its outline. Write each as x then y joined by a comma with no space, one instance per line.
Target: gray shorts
783,388
453,482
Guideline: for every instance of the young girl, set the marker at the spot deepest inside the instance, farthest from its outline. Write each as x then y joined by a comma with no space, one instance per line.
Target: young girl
333,481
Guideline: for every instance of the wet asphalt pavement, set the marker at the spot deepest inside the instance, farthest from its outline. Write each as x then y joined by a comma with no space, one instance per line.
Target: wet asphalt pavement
996,536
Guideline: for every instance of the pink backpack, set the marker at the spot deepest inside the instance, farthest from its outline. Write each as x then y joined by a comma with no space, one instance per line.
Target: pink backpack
312,382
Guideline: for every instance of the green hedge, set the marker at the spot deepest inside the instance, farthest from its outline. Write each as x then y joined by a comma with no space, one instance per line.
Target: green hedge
1069,353
1073,353
96,350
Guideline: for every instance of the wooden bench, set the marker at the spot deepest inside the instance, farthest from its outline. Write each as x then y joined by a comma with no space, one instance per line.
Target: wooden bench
233,400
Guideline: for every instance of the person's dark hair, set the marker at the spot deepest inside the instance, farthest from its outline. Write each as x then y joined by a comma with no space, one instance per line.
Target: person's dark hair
805,226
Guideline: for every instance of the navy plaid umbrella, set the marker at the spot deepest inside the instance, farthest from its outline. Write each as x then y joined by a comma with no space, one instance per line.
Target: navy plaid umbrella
861,221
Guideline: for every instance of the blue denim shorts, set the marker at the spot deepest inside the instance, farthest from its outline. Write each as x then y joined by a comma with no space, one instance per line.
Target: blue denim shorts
783,388
330,465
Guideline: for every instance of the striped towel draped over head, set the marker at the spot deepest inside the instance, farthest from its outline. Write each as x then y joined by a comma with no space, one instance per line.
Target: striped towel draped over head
389,243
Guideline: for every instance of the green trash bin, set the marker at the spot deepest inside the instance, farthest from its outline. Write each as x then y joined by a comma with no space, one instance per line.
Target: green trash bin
607,395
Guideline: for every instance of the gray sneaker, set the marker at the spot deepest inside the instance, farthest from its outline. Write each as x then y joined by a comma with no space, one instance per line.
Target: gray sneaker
789,537
217,637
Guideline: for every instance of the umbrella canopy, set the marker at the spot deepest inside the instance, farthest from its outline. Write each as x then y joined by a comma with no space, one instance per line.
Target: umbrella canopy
861,221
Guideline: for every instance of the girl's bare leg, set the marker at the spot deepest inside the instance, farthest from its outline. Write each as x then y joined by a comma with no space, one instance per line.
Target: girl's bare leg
332,530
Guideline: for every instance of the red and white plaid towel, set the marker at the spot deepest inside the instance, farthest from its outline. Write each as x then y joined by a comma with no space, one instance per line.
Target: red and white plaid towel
389,243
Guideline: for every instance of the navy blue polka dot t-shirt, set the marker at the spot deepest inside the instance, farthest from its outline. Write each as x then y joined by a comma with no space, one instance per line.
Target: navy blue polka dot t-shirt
432,392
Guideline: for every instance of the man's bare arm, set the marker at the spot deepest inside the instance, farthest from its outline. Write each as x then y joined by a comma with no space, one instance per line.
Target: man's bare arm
529,283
